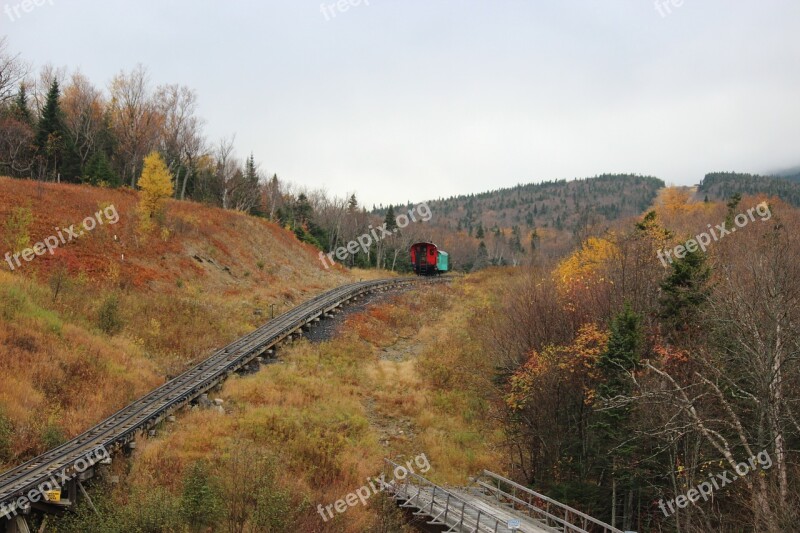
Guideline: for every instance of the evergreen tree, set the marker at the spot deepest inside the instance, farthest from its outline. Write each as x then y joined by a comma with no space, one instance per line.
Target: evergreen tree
250,171
100,172
301,222
253,183
302,210
623,352
50,132
480,233
482,259
685,290
19,109
516,240
733,203
352,204
390,219
612,426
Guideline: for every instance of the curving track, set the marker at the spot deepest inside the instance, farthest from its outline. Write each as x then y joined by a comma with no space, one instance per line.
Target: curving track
121,428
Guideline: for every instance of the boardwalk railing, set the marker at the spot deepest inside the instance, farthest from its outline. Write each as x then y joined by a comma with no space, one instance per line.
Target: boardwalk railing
444,507
538,506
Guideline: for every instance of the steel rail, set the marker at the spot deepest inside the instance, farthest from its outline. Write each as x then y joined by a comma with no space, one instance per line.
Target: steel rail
121,427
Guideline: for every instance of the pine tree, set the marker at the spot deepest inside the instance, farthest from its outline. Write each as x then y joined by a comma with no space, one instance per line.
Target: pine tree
251,191
480,233
50,131
302,210
612,431
390,219
624,348
516,240
733,203
19,109
685,290
99,171
482,259
250,171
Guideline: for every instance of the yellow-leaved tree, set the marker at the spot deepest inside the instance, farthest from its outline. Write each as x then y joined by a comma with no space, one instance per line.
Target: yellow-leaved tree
587,265
156,186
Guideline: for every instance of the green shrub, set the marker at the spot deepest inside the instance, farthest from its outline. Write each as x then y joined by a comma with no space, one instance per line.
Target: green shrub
12,302
108,317
52,436
16,229
6,432
273,510
154,510
201,505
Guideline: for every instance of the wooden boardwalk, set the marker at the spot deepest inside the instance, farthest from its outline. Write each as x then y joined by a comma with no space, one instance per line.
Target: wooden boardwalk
491,504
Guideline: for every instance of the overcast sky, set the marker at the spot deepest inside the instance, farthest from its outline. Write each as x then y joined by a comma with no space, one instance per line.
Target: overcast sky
417,99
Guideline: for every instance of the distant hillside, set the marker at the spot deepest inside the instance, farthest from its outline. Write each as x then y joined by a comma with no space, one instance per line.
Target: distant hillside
723,185
792,174
561,205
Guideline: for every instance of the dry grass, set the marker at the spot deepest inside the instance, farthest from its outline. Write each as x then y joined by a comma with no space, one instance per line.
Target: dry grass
328,415
331,412
212,279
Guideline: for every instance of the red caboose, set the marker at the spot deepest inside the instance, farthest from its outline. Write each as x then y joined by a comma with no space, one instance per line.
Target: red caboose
428,260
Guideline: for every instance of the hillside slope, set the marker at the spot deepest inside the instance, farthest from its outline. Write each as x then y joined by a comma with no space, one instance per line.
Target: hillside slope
115,312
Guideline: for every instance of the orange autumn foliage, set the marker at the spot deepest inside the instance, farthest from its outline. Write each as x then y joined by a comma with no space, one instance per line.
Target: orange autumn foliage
575,363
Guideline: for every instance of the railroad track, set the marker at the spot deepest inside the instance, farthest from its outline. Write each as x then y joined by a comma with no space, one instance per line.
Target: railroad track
121,428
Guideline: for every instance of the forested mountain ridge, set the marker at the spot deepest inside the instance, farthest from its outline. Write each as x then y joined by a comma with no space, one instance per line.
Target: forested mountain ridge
792,174
509,226
558,204
723,185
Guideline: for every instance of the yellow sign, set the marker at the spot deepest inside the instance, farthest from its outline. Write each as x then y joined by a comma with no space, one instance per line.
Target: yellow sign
52,495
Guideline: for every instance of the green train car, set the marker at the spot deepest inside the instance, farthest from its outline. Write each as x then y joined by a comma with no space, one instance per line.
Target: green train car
443,263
